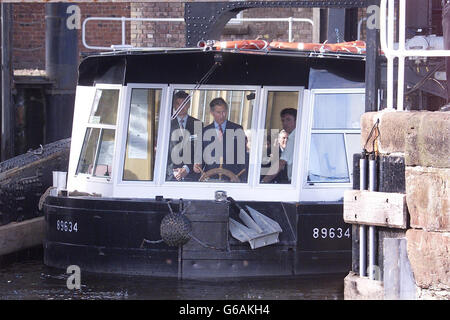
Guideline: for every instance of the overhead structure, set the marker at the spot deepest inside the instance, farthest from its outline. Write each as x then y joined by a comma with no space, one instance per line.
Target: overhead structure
206,20
339,20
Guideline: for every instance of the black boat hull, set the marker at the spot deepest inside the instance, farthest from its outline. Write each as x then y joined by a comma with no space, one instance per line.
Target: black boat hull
122,236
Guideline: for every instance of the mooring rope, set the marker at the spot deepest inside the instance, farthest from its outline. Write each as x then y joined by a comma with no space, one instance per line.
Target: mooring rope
43,197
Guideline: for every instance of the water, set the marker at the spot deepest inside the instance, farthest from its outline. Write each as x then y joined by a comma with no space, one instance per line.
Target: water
30,279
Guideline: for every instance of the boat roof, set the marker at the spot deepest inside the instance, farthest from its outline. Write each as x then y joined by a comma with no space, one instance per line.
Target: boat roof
274,67
272,52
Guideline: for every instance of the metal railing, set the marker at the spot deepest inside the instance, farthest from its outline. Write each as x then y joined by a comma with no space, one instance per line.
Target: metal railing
387,46
123,21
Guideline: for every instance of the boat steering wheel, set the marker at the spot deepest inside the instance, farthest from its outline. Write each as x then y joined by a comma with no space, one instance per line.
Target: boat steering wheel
220,172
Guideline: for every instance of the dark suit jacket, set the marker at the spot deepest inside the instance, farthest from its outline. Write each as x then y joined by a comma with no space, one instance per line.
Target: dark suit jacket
235,162
193,136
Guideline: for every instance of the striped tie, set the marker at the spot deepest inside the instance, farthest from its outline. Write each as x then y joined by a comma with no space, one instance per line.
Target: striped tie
220,133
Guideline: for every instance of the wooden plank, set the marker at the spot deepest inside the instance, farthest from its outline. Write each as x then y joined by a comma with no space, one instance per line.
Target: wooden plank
375,208
16,236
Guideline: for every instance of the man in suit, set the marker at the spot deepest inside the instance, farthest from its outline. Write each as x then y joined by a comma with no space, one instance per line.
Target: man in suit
224,143
184,132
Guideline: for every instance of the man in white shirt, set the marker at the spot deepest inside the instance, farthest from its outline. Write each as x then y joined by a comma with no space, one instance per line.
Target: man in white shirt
288,121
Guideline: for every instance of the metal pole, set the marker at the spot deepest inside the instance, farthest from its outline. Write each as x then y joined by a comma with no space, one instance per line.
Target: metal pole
8,118
123,31
401,59
290,29
373,68
372,230
373,173
362,228
61,66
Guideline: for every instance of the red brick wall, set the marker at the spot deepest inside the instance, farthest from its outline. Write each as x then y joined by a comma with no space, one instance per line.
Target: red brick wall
28,36
29,30
158,34
104,33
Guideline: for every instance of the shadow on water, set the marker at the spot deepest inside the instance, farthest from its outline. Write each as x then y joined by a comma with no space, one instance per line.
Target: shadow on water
30,279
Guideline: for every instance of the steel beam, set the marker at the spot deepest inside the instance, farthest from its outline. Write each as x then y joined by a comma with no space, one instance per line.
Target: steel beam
206,20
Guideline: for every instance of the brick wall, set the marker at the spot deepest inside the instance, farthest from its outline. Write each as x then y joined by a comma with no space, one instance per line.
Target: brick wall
104,33
29,30
28,35
158,34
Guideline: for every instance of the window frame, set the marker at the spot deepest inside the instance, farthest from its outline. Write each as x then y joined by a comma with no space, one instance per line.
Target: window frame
164,154
86,125
297,191
298,133
124,132
307,146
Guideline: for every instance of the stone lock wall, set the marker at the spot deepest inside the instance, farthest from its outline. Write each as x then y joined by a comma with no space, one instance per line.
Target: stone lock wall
423,138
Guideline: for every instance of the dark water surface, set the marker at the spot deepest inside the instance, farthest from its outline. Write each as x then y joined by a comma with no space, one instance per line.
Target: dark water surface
30,279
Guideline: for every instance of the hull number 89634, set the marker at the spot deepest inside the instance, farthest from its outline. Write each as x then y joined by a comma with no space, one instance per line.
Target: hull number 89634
66,226
330,233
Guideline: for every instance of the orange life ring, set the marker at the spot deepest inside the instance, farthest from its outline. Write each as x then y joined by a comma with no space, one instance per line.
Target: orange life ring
242,44
352,46
301,46
236,44
358,47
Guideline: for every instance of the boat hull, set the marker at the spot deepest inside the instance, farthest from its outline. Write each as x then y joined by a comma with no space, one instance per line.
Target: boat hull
122,236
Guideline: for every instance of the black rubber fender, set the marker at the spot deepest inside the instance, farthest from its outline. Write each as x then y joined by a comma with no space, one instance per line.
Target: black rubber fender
24,178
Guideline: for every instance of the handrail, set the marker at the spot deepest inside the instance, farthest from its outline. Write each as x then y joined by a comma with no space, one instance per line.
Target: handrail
123,20
387,46
290,20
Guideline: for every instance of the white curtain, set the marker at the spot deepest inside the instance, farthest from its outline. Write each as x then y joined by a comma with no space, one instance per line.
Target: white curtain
328,155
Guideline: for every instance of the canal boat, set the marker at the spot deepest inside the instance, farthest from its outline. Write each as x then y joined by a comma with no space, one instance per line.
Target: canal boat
145,195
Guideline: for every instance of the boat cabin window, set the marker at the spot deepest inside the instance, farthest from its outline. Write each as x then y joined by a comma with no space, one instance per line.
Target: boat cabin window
98,146
209,138
335,136
281,129
142,134
104,108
